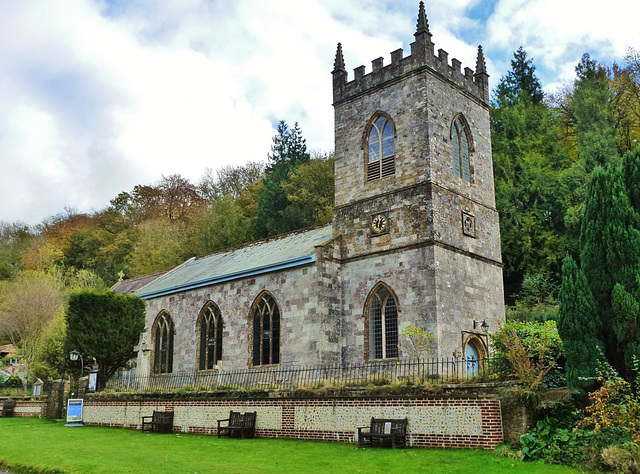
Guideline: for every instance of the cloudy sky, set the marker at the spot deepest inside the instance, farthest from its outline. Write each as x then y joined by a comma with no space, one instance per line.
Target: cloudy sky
97,96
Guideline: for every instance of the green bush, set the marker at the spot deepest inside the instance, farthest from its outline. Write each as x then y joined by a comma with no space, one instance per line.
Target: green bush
12,382
529,351
562,445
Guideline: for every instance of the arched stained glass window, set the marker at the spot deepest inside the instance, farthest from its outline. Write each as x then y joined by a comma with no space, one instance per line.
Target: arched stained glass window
266,330
210,323
163,344
380,157
460,148
383,324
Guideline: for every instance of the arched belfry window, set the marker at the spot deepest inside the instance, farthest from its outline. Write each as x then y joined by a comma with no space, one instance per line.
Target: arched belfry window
381,149
383,323
266,330
461,148
210,326
163,344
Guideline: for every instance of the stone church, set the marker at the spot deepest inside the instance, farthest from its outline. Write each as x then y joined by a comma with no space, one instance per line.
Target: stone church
414,239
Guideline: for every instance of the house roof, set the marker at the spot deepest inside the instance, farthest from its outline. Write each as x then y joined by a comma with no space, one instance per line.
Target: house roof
290,250
132,285
8,349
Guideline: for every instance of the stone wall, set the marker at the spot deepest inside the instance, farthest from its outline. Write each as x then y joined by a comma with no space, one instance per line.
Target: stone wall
26,408
444,423
303,294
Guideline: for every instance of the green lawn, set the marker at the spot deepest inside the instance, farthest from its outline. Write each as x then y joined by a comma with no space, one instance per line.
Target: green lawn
33,445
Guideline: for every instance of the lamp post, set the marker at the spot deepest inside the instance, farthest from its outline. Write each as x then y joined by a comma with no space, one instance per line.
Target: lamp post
73,355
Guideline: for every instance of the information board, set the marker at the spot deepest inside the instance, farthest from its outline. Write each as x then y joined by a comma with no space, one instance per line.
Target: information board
74,409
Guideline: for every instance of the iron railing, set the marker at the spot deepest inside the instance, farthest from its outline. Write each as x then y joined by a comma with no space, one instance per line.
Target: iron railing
434,371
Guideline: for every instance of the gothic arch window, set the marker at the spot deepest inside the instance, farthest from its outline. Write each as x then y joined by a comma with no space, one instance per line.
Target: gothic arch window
461,147
382,312
266,330
210,327
163,332
380,148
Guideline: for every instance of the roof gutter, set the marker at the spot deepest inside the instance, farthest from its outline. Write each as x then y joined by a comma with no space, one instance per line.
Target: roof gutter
296,262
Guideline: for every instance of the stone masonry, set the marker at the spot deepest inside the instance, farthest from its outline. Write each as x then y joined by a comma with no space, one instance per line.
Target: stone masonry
440,255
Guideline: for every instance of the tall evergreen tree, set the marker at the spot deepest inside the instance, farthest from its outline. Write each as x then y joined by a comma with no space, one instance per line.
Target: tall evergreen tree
520,83
594,115
527,161
610,261
578,326
288,152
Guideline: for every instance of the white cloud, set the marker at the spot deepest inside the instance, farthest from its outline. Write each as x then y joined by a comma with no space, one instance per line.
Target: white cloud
557,33
96,97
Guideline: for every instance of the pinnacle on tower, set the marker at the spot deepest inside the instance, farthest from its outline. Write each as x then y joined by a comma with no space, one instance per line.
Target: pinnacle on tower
423,24
338,64
481,67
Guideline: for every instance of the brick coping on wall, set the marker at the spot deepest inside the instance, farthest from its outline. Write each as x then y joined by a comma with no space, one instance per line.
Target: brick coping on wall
442,422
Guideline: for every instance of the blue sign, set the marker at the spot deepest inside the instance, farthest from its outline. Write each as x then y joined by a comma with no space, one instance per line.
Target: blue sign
74,409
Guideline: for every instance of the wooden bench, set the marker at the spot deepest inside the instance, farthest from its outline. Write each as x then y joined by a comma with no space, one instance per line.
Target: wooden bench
384,430
238,424
159,422
8,408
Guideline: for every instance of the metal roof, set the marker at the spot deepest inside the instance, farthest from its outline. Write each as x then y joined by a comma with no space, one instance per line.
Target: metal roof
257,258
131,285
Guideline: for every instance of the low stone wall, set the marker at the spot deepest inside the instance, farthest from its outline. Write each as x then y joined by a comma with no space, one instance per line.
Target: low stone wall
28,408
458,422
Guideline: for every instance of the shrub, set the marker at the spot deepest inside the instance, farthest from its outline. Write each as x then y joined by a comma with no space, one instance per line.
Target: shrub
622,459
614,404
12,382
528,350
415,342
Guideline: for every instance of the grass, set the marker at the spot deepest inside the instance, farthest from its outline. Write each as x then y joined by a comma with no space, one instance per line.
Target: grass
34,445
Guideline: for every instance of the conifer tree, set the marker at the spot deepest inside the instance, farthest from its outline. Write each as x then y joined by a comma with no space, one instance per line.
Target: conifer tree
578,326
610,262
288,152
593,110
527,160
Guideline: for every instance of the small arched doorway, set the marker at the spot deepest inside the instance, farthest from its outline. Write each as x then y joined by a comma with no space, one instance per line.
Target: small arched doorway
475,351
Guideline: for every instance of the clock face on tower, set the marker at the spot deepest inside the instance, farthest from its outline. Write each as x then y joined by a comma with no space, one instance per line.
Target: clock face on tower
379,223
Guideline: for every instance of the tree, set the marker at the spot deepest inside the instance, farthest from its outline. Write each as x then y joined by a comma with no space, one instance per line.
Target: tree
593,110
180,198
578,326
50,358
610,262
288,152
528,161
415,342
310,191
104,326
31,302
14,239
520,83
222,226
230,181
160,245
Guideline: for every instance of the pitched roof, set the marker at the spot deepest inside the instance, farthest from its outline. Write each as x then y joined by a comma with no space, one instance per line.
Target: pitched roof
8,349
131,285
290,250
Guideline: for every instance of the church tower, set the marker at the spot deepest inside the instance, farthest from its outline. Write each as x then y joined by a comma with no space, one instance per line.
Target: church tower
415,211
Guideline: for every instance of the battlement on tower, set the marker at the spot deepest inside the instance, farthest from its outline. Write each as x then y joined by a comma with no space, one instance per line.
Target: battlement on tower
422,57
